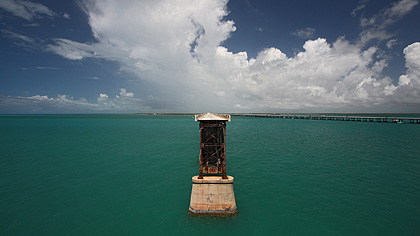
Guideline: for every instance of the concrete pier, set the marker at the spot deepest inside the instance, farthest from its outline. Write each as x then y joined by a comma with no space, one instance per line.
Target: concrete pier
213,195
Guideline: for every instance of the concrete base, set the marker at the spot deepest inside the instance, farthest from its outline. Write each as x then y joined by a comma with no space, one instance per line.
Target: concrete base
213,195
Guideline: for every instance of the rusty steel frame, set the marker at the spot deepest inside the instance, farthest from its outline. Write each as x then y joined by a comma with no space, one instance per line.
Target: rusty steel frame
204,167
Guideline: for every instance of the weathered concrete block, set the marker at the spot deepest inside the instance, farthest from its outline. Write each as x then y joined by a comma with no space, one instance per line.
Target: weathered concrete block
213,195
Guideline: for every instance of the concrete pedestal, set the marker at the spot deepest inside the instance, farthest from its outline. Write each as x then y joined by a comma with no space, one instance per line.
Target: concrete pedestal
213,195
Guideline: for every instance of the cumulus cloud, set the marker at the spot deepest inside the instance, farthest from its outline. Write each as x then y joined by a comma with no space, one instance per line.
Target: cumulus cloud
175,48
39,98
163,42
124,94
337,76
409,83
412,56
148,34
26,9
323,75
103,97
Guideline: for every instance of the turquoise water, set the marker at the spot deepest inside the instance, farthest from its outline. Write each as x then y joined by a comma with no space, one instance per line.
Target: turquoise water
131,175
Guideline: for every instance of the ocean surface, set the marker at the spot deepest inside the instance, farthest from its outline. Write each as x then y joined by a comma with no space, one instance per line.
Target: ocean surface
131,175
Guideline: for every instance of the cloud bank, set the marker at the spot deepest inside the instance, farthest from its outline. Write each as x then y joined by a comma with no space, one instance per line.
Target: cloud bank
122,102
175,47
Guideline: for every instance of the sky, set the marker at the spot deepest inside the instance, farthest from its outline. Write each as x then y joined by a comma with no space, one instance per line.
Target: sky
141,56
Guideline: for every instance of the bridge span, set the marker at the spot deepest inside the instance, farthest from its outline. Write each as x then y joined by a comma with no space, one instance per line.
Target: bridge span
384,119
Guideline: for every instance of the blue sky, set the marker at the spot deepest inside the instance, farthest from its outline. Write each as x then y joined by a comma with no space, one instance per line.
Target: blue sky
96,56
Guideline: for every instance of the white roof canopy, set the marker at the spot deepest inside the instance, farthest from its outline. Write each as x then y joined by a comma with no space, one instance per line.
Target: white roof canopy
212,116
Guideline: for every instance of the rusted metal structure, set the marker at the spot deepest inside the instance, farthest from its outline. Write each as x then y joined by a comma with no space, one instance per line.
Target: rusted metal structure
212,190
212,159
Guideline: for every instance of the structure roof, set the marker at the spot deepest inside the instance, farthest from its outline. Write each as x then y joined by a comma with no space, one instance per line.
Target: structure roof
212,116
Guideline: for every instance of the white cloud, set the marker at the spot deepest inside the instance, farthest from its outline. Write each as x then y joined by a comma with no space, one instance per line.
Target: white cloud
390,15
324,75
174,47
67,104
103,97
360,6
164,42
412,78
71,50
398,10
40,98
391,43
167,30
305,33
66,16
26,9
412,56
408,89
45,104
376,26
124,94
